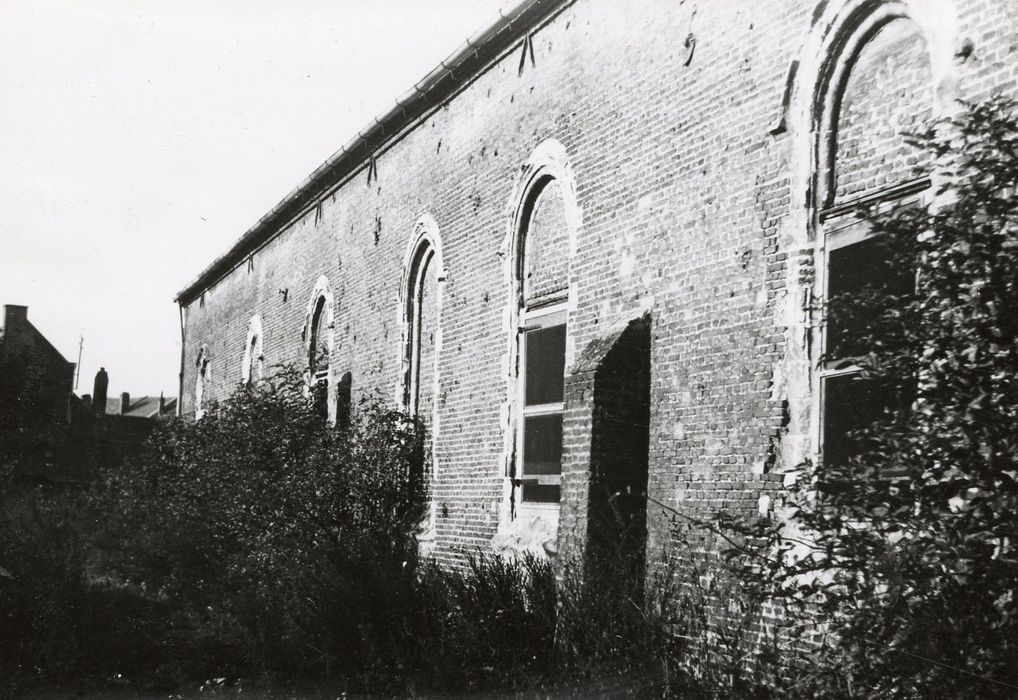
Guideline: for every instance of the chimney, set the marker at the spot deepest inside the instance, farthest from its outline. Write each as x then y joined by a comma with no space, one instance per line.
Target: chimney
14,316
86,399
162,404
102,383
125,403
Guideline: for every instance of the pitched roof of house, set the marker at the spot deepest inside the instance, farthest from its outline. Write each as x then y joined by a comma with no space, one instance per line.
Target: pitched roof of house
140,406
436,88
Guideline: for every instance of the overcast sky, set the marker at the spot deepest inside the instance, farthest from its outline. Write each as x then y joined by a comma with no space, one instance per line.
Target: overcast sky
140,139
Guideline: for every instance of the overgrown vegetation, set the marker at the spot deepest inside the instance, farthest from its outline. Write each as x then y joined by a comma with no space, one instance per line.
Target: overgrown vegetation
258,543
265,541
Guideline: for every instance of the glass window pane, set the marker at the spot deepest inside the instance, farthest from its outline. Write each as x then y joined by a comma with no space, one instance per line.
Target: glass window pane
542,444
545,365
542,458
851,404
538,493
860,278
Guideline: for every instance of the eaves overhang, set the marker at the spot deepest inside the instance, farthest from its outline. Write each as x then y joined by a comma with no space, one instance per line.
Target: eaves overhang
436,88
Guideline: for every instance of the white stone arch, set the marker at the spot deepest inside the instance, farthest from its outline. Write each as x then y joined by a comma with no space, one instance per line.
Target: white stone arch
548,161
252,367
322,292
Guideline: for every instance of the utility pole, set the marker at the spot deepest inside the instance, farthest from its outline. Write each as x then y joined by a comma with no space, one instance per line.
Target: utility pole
77,368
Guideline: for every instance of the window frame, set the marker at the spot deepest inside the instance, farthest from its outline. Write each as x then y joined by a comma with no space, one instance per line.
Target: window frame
840,227
254,361
317,375
425,256
201,385
252,369
543,316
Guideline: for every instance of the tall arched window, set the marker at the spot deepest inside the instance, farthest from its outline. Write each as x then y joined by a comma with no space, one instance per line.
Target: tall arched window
420,312
253,363
876,87
318,350
421,308
542,276
318,346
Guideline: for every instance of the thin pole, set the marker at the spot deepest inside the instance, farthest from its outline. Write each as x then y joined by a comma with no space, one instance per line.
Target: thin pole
77,369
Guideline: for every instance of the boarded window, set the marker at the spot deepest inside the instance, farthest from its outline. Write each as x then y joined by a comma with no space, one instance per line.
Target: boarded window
884,93
543,273
542,461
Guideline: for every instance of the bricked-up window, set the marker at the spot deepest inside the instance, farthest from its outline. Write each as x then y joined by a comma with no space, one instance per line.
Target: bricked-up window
887,92
544,276
546,269
880,90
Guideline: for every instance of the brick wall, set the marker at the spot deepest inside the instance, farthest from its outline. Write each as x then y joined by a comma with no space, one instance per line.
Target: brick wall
680,131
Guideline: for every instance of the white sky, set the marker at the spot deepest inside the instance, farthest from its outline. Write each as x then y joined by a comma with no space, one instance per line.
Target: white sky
139,139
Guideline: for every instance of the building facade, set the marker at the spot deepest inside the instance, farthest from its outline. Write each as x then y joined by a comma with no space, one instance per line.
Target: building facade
591,250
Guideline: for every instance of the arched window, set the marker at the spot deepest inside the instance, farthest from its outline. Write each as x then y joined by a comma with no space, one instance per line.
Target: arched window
318,350
253,363
420,312
876,88
421,308
204,375
318,346
542,283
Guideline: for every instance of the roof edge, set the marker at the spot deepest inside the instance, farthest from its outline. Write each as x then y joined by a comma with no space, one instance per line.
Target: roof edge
433,89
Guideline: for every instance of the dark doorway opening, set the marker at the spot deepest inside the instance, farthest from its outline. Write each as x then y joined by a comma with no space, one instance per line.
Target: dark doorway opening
620,441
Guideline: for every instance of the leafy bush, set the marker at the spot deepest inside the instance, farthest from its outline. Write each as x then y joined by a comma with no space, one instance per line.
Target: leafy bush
55,623
490,625
289,538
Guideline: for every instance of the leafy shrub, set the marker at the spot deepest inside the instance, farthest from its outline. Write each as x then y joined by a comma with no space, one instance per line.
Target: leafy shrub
56,623
491,624
286,537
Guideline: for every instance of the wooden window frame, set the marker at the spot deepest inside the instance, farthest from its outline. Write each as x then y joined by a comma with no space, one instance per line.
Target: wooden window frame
841,227
545,316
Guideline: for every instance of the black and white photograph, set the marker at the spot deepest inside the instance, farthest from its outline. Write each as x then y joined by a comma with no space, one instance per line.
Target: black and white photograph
508,349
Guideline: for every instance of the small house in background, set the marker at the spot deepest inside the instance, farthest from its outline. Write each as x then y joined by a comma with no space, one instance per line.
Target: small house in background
139,406
42,369
49,434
